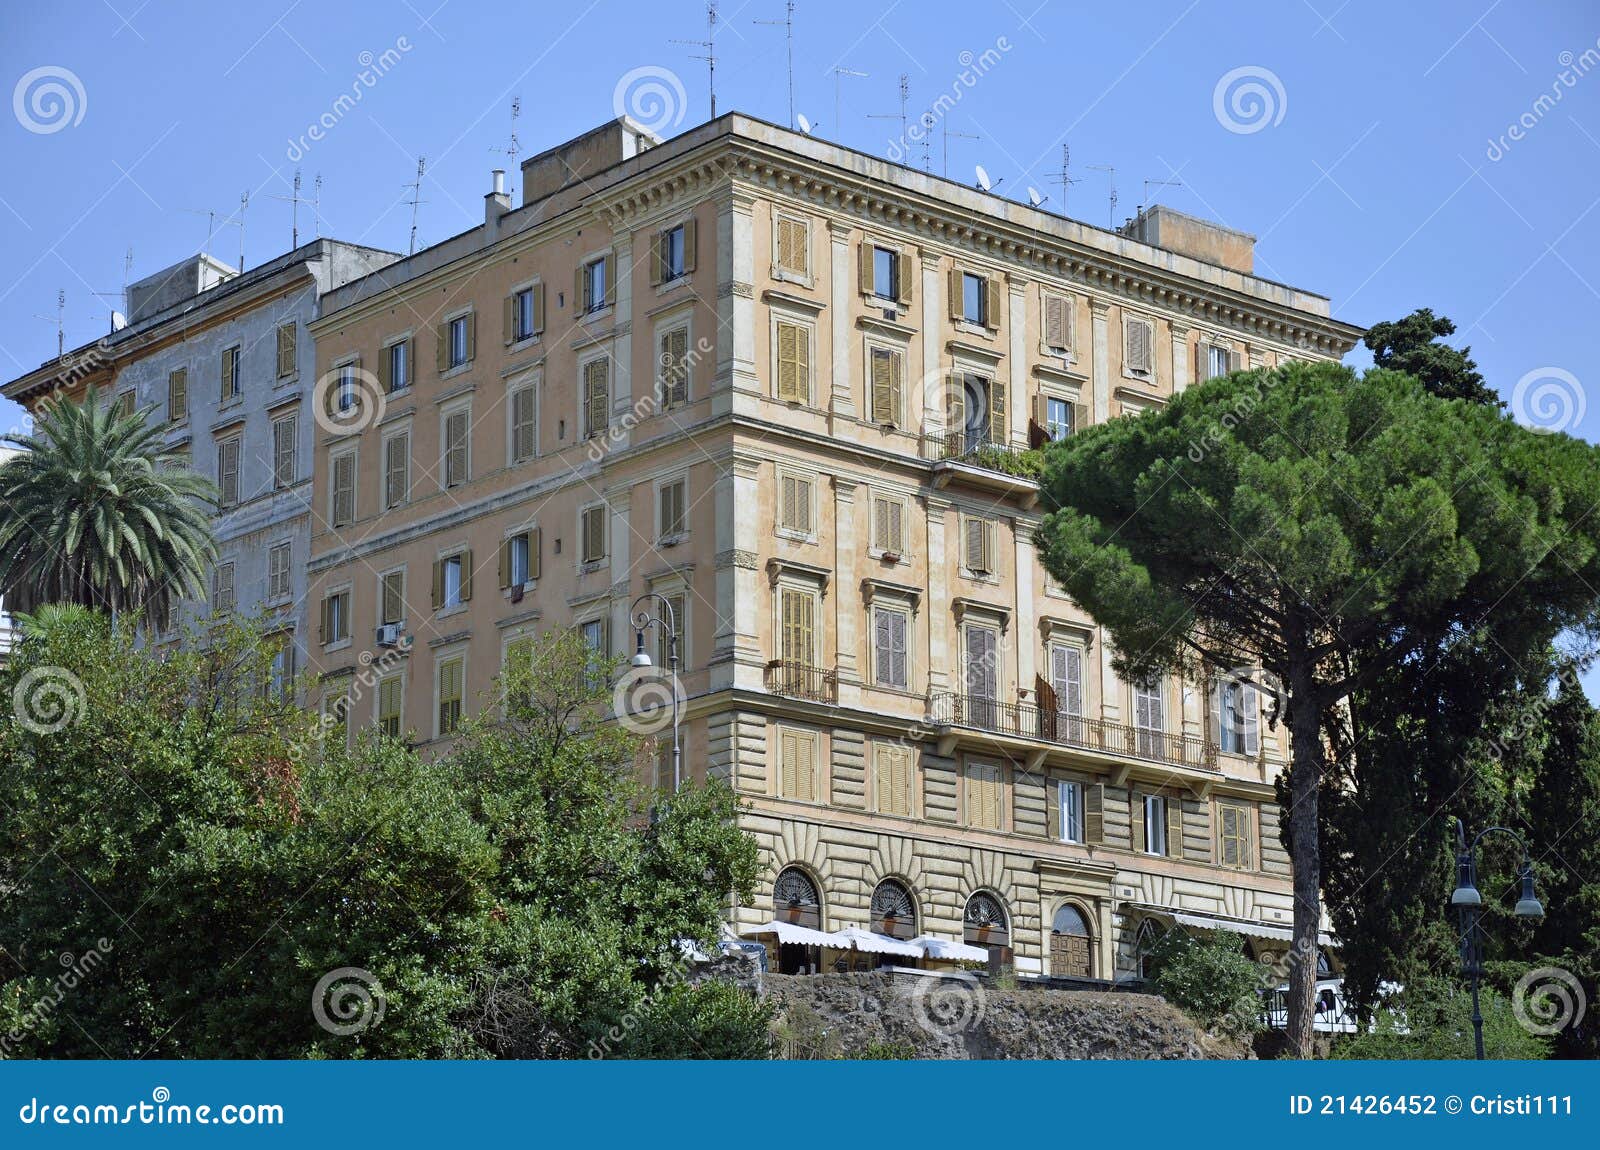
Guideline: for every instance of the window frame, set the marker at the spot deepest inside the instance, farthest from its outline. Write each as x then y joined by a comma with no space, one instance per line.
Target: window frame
279,481
904,613
399,349
781,271
664,537
808,345
283,547
236,442
459,324
1155,828
352,453
339,603
586,561
1129,322
891,296
463,410
808,533
1069,821
401,432
969,278
441,662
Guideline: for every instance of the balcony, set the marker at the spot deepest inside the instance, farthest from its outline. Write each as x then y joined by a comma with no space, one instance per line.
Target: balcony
978,458
802,681
1027,721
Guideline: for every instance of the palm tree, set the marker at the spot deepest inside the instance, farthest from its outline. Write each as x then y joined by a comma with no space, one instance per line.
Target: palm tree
96,511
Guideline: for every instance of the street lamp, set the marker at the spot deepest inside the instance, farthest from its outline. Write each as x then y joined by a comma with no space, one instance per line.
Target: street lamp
1469,904
642,621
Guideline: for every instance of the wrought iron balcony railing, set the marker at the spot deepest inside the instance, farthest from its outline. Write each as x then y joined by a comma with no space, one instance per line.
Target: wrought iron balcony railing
802,681
981,448
1028,721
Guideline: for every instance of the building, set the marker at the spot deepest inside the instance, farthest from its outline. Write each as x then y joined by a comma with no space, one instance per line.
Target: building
793,389
225,360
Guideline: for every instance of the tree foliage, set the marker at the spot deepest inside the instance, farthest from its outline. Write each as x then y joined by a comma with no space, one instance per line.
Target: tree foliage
1414,346
1211,978
1432,1019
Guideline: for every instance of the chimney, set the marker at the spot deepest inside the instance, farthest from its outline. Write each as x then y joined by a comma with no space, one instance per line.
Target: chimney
496,204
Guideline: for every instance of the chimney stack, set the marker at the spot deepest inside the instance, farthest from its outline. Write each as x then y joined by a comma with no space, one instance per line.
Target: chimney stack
496,204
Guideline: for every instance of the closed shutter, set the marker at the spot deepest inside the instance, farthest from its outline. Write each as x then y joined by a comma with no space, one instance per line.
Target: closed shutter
344,490
222,587
597,399
792,245
889,647
472,337
954,285
979,545
535,544
1057,322
1139,346
991,310
999,431
955,413
396,469
391,703
438,584
538,308
864,268
594,534
893,782
799,753
981,669
1228,831
228,471
283,451
394,597
794,511
442,348
466,575
903,275
523,427
178,395
672,509
287,340
1066,678
798,620
1094,816
984,797
794,364
675,366
505,561
1080,416
883,410
230,373
278,571
455,448
508,315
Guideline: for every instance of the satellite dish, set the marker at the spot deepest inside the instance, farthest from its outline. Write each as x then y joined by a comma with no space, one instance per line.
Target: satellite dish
983,178
1034,197
805,124
118,321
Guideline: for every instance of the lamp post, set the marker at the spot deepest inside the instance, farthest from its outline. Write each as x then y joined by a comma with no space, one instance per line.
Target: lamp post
1469,903
642,621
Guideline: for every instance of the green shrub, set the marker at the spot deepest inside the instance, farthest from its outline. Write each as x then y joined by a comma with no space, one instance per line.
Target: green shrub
1209,979
1432,1019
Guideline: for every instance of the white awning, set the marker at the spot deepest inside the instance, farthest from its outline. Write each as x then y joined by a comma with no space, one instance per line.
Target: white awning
948,950
868,942
788,932
1245,926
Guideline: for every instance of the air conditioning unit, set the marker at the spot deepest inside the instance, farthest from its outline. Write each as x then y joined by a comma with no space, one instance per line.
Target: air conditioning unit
389,635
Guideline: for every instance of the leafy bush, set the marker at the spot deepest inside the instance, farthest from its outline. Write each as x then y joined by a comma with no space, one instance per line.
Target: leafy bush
1432,1019
1209,979
714,1020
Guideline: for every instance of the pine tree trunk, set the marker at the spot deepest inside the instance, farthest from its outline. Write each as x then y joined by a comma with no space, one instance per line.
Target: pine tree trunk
1305,775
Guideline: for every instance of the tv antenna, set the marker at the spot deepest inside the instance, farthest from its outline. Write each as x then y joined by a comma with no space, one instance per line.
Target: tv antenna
1066,178
295,199
1148,184
838,124
59,319
244,202
709,44
1111,214
118,320
316,206
905,98
211,224
513,146
958,135
788,32
416,198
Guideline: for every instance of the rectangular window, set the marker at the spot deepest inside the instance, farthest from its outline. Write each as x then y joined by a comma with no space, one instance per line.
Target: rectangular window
892,784
593,529
455,448
522,315
396,469
278,566
344,394
391,705
230,373
1138,355
797,755
1218,361
794,363
517,559
597,643
222,588
794,504
1155,824
672,254
336,719
887,373
399,365
1239,718
798,611
982,674
454,581
977,545
1149,719
392,598
596,397
680,615
888,525
1070,796
594,285
794,255
460,341
287,343
524,424
885,273
674,509
178,395
974,299
1057,311
452,689
281,675
336,617
889,627
673,386
1233,834
1058,418
285,433
228,470
343,496
1066,683
984,802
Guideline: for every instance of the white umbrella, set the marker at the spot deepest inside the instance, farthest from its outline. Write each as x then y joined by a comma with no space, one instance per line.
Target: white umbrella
788,932
869,942
948,950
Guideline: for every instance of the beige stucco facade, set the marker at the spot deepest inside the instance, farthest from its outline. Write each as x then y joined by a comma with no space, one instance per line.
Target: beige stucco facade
870,645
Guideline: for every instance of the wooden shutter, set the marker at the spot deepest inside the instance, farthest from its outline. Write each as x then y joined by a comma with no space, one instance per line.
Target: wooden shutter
897,648
794,364
442,348
1094,816
537,307
505,560
386,369
287,338
228,471
609,263
675,365
1080,417
1227,834
955,412
890,514
391,700
472,336
466,575
999,430
178,395
979,544
1066,678
957,308
1136,821
671,499
1138,348
792,246
535,546
283,450
984,797
864,268
455,448
394,584
508,313
230,372
1175,826
523,428
1057,322
594,534
893,781
691,236
991,309
397,469
344,490
882,386
798,620
323,619
438,584
597,400
896,387
903,274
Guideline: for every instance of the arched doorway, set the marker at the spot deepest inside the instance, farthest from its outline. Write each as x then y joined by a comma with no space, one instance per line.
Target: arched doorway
1071,943
985,924
795,900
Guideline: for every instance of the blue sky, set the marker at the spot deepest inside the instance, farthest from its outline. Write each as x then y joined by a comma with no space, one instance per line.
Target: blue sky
1370,149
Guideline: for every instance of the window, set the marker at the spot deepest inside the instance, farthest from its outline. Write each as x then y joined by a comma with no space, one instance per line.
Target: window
596,397
984,924
452,689
278,578
1063,704
885,273
391,705
888,525
460,340
178,395
392,598
284,453
671,254
893,911
228,470
519,558
1233,834
975,413
397,358
396,469
336,718
1058,418
795,899
680,617
1155,824
797,626
230,373
594,293
1149,719
524,424
974,299
673,499
794,247
1057,312
287,341
592,528
522,315
794,362
344,394
1138,354
336,617
977,545
797,754
981,673
673,385
1218,361
124,405
892,778
452,580
281,674
455,448
222,599
597,642
889,625
1239,717
983,796
343,496
794,504
886,373
1069,795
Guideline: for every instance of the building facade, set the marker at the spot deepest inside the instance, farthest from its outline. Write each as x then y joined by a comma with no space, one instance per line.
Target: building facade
225,361
796,391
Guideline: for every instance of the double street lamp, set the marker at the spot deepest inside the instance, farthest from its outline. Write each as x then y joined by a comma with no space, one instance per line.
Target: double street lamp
668,629
1469,903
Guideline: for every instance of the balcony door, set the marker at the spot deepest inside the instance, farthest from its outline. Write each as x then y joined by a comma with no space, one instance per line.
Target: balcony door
982,675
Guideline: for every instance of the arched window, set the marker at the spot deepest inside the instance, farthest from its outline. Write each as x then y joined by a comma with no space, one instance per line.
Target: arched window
984,924
795,899
1150,933
894,913
1071,944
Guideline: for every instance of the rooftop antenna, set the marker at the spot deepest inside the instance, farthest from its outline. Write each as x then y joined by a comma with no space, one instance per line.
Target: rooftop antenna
1065,179
1035,198
59,319
416,198
803,123
513,146
316,206
838,124
295,200
983,183
958,135
244,202
788,32
1148,184
710,57
211,224
905,97
1111,214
